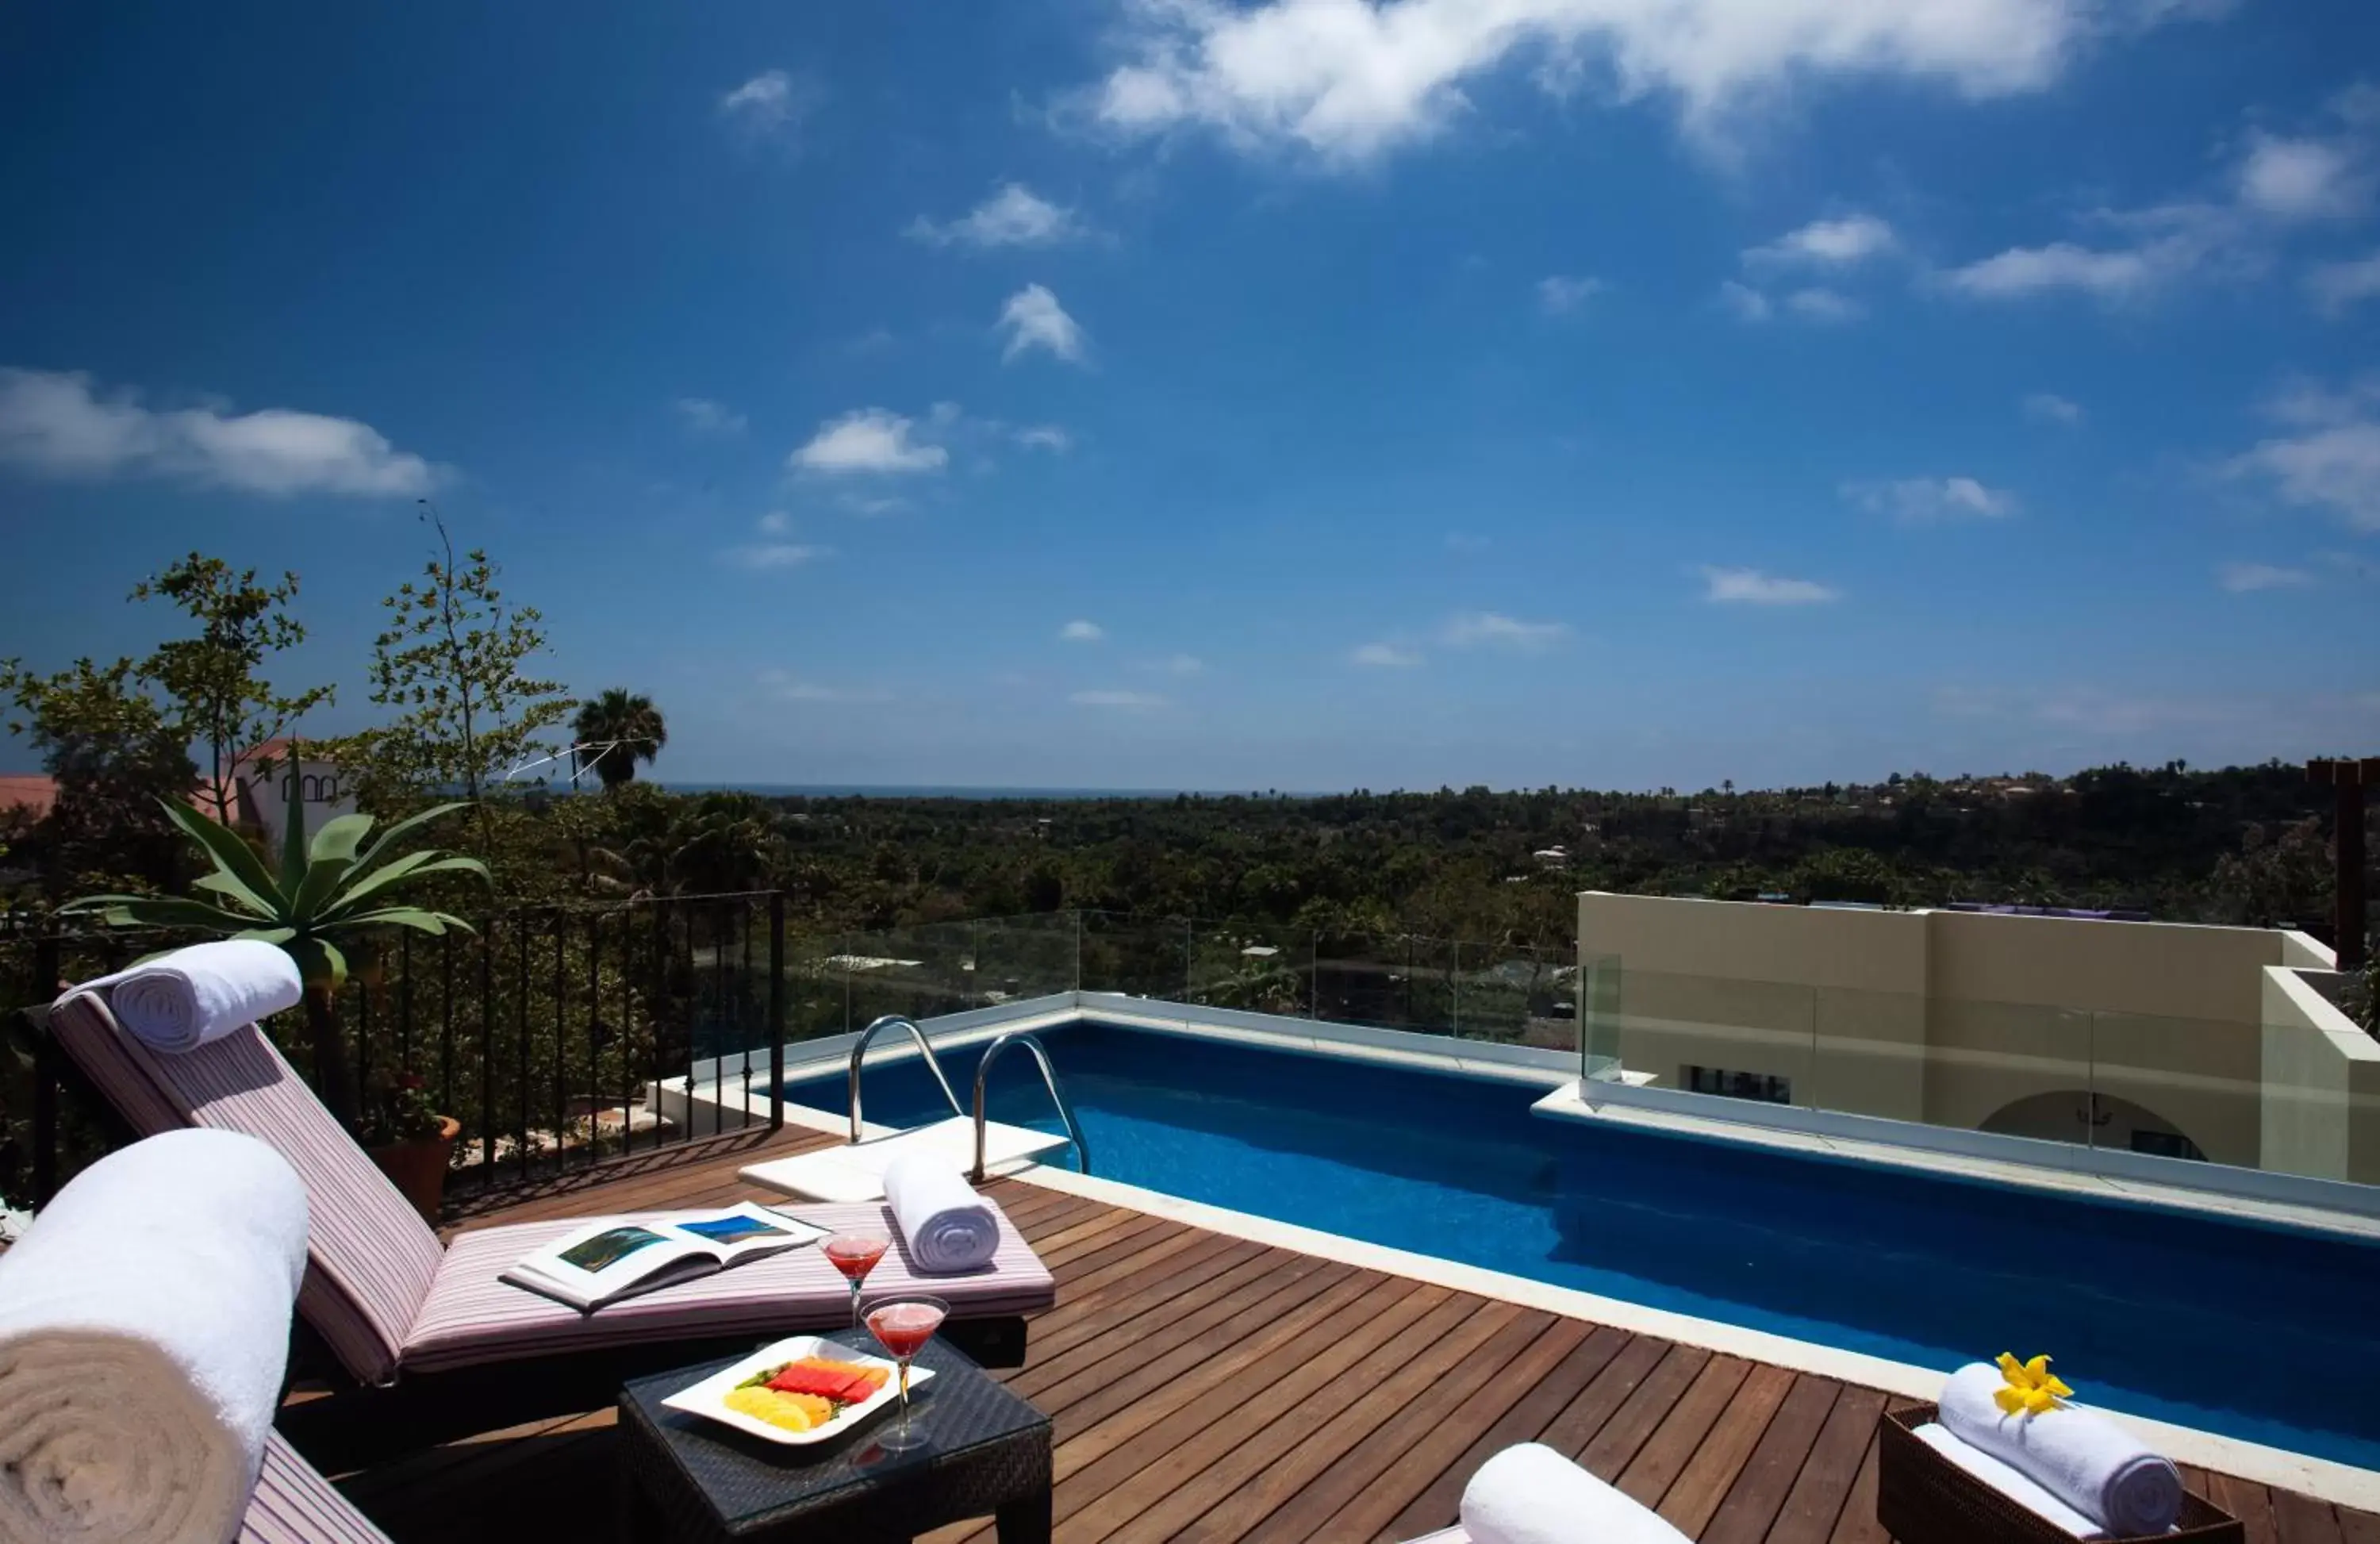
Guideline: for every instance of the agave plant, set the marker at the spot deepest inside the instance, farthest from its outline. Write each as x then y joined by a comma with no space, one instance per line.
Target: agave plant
329,894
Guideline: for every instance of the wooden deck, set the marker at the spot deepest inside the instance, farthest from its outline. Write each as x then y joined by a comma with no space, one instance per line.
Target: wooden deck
1379,1397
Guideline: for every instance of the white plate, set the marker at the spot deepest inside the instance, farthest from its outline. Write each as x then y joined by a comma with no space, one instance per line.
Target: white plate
708,1398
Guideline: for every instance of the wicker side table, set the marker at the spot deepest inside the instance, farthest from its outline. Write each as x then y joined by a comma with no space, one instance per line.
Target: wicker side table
693,1481
1923,1498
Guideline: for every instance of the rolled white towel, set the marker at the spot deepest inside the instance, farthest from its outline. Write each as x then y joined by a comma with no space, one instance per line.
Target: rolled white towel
2008,1482
1530,1494
180,1002
2078,1455
144,1329
946,1224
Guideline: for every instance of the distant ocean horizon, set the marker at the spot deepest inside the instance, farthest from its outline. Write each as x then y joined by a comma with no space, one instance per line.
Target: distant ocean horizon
950,791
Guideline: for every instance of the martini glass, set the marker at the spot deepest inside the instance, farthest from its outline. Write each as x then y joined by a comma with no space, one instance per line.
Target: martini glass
855,1253
903,1326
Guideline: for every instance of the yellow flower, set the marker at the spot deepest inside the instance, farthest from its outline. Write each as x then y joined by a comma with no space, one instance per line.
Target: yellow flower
2031,1388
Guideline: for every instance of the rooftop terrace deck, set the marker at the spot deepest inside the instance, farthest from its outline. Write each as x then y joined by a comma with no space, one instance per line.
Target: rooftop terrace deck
1382,1395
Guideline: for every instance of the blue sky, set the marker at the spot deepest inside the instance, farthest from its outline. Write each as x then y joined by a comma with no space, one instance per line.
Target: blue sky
1301,394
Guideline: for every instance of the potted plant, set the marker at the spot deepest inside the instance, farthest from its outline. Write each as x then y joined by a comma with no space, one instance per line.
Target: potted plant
324,897
404,1133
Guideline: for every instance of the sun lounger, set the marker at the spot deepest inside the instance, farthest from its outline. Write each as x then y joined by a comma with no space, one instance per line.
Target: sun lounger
437,1345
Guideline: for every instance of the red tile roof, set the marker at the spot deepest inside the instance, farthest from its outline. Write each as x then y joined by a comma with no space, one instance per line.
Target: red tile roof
30,792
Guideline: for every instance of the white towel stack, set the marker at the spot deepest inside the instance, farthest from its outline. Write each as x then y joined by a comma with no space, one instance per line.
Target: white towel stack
2080,1457
946,1224
181,1001
144,1328
1530,1494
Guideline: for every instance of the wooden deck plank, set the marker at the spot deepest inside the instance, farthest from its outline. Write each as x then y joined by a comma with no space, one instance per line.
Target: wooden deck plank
1382,1396
2303,1520
1523,1422
1856,1522
1378,1475
1244,1513
1819,1495
1724,1449
1759,1492
1215,1442
1634,1422
1665,1454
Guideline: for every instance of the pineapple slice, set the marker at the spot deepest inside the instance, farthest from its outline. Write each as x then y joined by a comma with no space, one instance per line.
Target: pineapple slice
789,1412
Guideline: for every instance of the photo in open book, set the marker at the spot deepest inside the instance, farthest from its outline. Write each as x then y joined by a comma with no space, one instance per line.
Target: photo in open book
609,1247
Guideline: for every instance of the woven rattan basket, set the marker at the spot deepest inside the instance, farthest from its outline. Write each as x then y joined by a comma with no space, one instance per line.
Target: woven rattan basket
1923,1498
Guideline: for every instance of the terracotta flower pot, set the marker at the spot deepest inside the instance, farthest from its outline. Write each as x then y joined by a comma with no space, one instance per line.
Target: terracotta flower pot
418,1167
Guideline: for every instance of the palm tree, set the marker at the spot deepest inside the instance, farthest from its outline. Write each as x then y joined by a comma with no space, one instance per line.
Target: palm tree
622,729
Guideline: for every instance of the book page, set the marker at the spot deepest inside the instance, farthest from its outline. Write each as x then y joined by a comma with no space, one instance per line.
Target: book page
743,1230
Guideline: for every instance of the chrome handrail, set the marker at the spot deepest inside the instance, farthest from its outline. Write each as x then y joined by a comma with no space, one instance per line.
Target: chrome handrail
1048,1079
925,1048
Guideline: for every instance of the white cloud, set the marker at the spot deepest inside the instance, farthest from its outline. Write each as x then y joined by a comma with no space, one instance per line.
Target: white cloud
1035,319
2022,272
1348,79
1924,501
2302,179
2050,407
1559,294
1492,630
1384,656
1820,304
1751,587
868,508
774,523
1082,632
703,416
774,554
2333,460
1045,436
867,440
2336,285
1134,700
786,687
771,102
1180,664
1014,215
1826,243
51,423
1747,303
2240,577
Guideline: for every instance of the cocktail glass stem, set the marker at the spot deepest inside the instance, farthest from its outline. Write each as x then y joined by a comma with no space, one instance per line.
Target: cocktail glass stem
904,1397
854,1303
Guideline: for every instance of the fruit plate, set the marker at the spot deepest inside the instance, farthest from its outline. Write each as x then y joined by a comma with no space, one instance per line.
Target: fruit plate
708,1398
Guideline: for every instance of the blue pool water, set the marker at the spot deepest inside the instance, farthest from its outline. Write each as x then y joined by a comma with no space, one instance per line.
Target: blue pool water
2261,1332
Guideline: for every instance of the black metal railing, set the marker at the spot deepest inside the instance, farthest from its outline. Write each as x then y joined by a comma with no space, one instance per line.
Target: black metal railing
552,1034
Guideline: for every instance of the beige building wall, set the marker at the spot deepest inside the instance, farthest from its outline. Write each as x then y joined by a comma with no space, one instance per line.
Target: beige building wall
1955,1019
2319,1086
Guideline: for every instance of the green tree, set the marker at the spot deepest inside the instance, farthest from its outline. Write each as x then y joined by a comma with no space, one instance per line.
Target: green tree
617,730
217,698
116,752
452,664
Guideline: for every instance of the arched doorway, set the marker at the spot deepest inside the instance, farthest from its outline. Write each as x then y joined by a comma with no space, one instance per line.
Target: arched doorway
2101,1120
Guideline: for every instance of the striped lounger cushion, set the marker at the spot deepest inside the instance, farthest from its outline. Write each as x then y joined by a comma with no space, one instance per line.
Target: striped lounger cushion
383,1294
292,1504
473,1317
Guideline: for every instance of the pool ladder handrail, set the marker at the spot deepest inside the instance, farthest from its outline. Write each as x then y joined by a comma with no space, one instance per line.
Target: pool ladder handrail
1048,1080
925,1049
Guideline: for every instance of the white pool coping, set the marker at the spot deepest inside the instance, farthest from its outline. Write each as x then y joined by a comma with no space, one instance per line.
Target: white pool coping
2340,1483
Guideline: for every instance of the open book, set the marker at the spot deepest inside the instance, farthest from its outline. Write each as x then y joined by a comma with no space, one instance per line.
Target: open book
605,1261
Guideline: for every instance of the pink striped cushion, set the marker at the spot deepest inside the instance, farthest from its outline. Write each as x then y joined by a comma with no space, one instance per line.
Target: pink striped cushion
473,1317
370,1257
292,1504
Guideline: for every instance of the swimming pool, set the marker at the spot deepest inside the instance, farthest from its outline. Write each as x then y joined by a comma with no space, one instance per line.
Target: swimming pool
2250,1331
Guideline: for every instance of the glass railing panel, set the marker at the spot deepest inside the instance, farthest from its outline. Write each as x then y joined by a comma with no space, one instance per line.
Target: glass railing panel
1138,957
1600,983
1516,995
2178,1088
1252,967
1388,980
1714,1035
918,972
1018,958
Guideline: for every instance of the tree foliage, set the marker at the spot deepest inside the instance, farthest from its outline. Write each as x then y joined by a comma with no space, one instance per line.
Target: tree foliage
218,699
116,752
616,730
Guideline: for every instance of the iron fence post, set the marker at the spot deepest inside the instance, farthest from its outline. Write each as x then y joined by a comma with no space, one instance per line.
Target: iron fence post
776,1010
